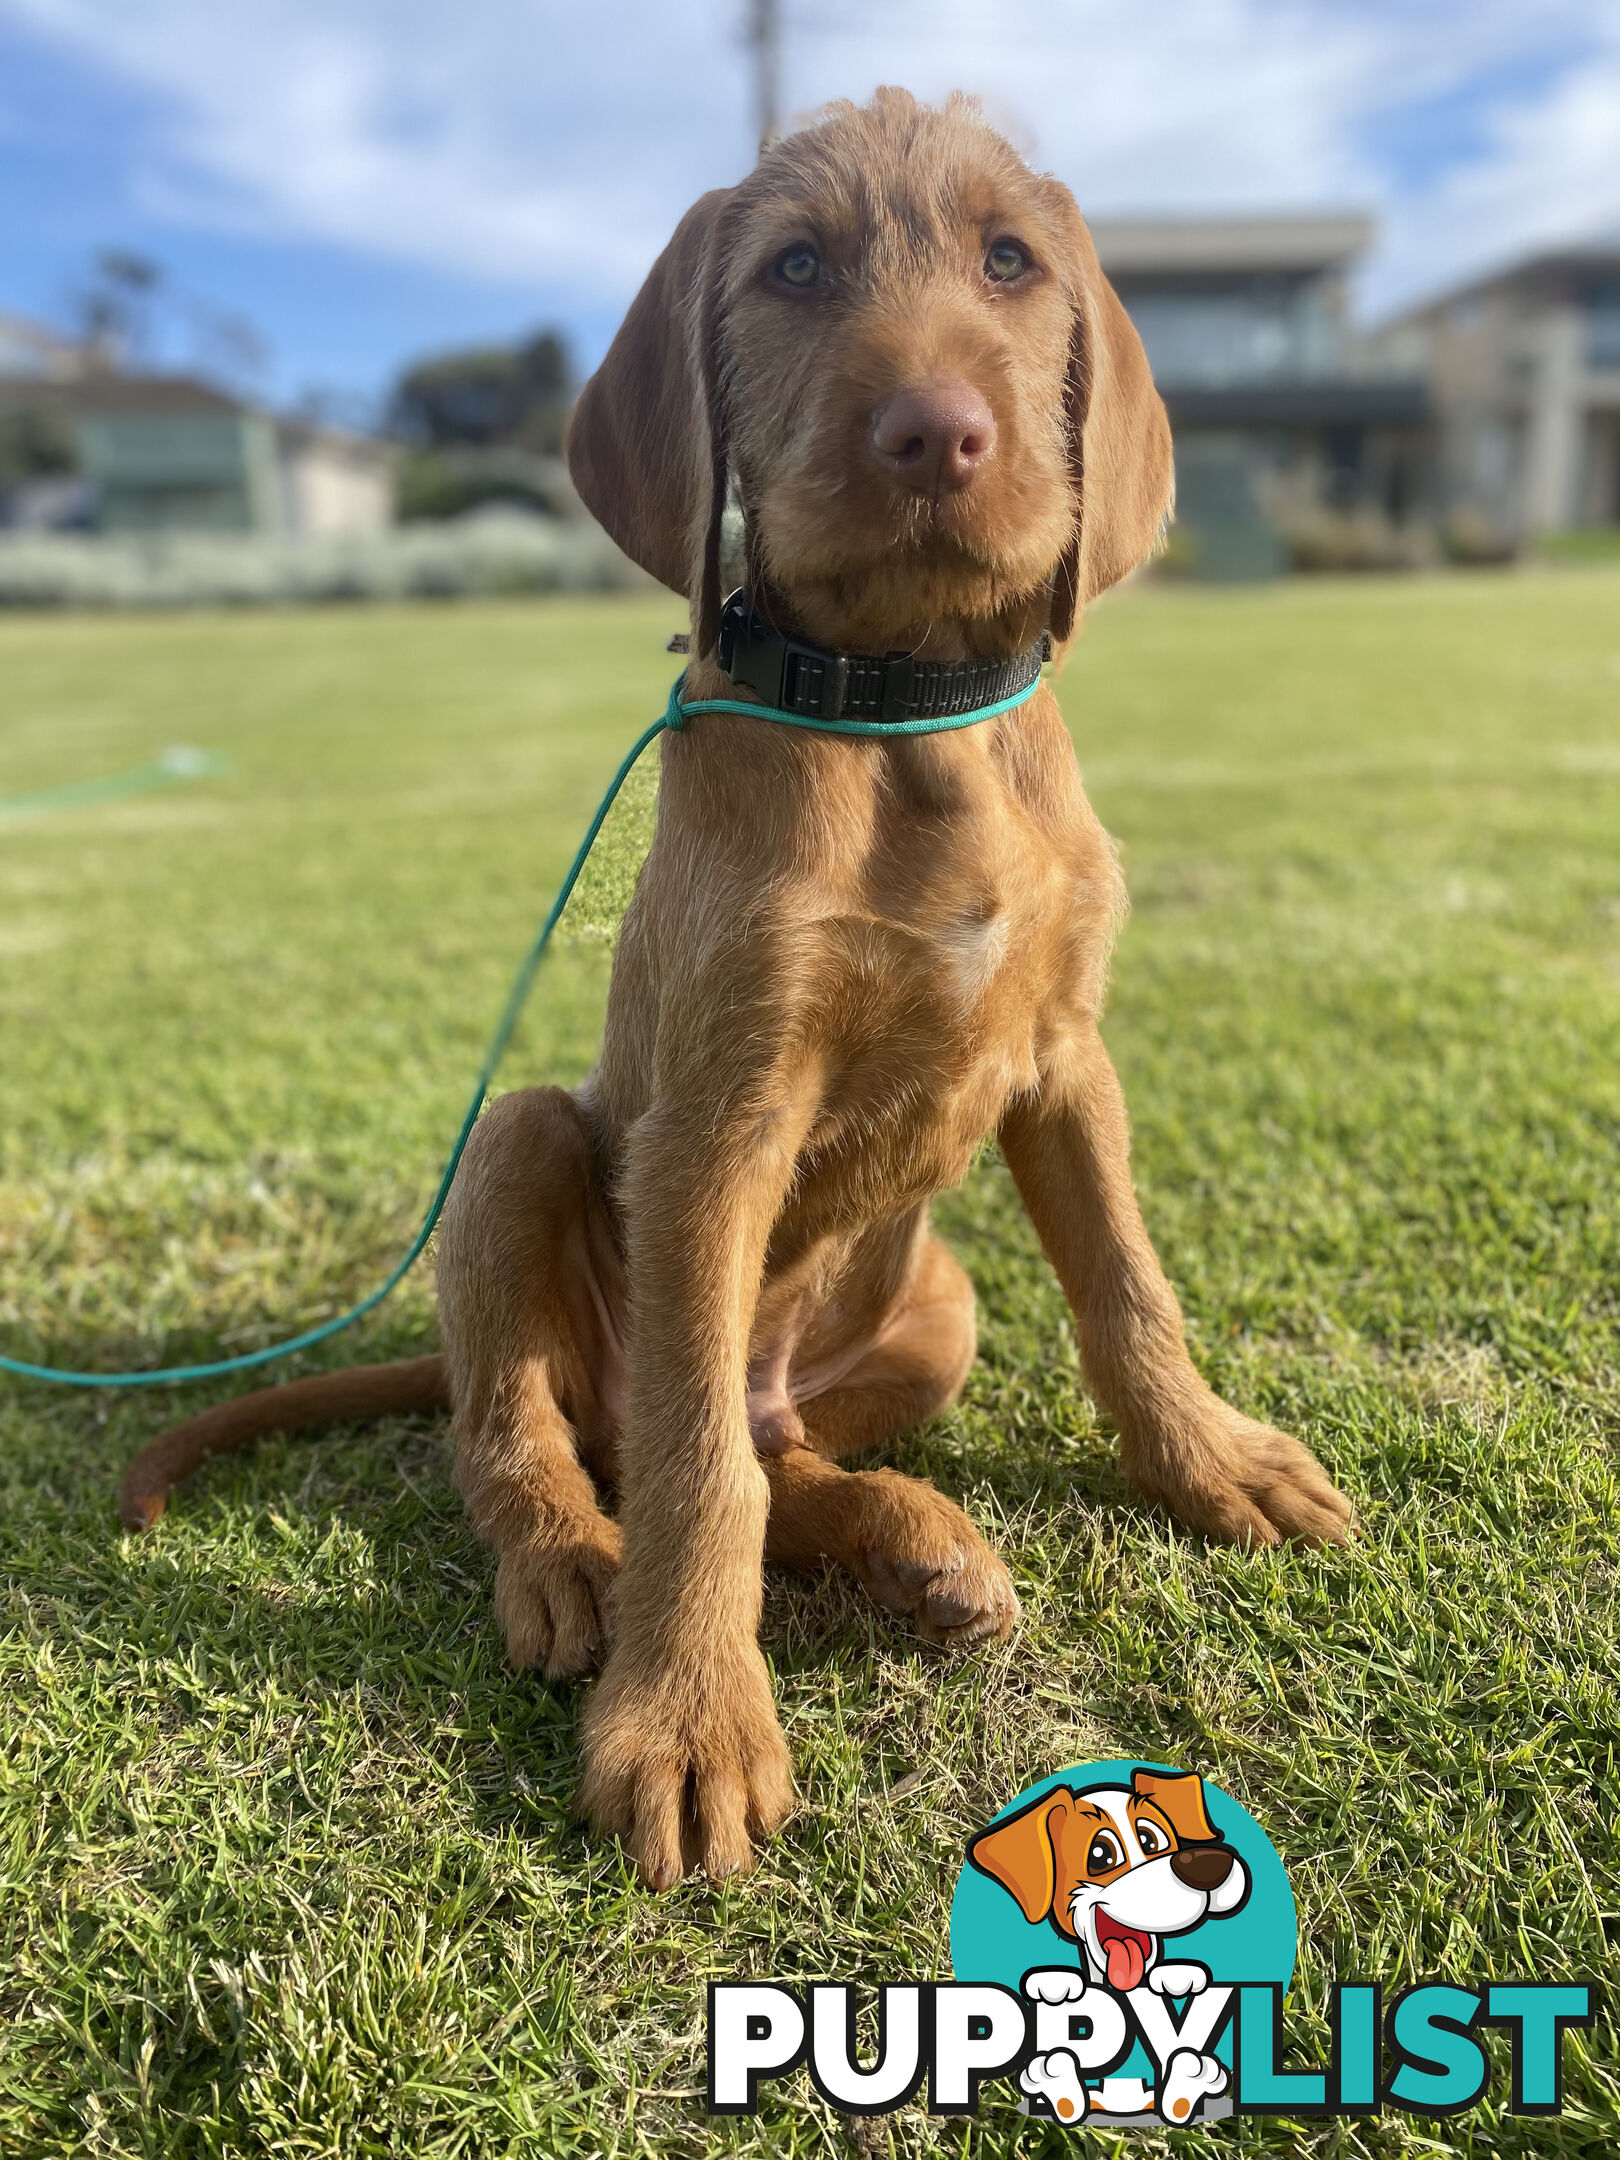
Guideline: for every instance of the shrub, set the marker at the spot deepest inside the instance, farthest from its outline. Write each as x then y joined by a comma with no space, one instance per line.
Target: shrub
1324,539
483,555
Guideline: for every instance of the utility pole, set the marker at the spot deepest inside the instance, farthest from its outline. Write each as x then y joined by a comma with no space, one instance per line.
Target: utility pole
765,36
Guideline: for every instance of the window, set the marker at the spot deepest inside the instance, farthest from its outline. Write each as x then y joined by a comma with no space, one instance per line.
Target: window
1493,461
1216,337
1603,327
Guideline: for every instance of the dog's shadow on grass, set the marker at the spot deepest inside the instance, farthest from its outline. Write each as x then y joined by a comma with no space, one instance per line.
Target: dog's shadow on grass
340,1570
323,1585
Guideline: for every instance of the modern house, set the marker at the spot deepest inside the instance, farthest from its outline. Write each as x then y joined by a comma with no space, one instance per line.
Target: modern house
1282,413
166,454
169,454
1524,371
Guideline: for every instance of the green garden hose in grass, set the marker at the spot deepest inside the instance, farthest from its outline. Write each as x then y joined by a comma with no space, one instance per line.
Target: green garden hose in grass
168,769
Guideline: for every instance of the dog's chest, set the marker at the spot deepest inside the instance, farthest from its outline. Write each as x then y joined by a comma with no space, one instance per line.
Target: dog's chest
961,945
930,1017
920,936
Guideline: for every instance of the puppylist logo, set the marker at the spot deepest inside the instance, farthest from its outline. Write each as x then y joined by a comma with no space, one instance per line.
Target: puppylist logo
1132,1902
1122,1937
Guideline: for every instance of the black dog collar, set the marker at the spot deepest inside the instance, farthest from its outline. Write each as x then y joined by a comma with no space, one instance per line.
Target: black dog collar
801,678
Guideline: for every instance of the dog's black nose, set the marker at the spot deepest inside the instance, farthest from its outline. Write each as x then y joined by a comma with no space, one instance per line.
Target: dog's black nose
1205,1868
934,438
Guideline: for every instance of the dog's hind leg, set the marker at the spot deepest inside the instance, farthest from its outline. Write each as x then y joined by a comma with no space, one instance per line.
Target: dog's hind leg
913,1549
523,1308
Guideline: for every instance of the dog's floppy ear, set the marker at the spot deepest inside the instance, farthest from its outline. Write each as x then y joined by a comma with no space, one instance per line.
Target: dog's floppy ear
1179,1798
1019,1853
646,442
1119,439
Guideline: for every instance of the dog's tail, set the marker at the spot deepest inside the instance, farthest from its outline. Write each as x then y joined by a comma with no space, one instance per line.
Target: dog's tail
338,1398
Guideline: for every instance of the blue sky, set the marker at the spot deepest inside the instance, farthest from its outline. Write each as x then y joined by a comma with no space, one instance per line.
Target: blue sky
369,179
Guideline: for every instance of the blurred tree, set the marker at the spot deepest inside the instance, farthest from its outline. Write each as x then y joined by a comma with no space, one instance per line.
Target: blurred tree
114,310
132,315
508,397
485,426
36,443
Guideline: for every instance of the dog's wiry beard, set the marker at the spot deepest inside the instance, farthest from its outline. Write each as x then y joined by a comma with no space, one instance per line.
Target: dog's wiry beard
934,609
952,589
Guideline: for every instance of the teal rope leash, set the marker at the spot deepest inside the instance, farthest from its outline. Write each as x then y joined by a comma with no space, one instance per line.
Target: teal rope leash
516,998
673,718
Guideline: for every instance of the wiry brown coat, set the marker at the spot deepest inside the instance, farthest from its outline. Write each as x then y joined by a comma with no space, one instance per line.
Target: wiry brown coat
709,1274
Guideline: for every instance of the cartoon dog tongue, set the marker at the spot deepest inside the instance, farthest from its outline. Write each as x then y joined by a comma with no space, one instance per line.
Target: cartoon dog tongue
1126,1954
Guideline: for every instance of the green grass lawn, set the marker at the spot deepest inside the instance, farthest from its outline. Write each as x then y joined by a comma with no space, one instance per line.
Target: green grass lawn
288,1858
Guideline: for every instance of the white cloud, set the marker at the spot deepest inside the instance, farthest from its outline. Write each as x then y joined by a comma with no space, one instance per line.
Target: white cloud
1549,172
526,143
502,139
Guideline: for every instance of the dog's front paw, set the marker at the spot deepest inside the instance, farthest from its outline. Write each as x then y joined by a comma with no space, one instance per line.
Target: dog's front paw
1283,1485
916,1552
1055,2078
1178,1980
686,1763
1189,2078
552,1595
1240,1481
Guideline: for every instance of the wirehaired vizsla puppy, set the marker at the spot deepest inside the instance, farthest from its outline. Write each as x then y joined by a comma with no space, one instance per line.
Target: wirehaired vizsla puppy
707,1276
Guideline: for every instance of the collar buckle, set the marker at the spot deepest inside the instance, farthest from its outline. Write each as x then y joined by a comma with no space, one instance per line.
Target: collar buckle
814,683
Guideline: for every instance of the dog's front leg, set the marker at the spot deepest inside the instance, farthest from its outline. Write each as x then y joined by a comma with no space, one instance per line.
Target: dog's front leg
684,1757
1068,1147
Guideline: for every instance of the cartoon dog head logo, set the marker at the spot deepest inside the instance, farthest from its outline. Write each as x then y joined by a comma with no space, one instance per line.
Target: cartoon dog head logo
1126,1904
1117,1869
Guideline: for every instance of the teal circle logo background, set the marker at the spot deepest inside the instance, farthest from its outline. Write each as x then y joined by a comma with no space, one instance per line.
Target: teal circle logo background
992,1941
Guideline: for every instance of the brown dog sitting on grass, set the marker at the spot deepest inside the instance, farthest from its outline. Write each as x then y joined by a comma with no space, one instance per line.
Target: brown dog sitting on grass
708,1275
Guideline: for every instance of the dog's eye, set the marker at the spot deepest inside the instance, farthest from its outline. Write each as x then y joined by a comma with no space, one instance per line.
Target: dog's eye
1150,1839
1005,261
1102,1854
799,266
